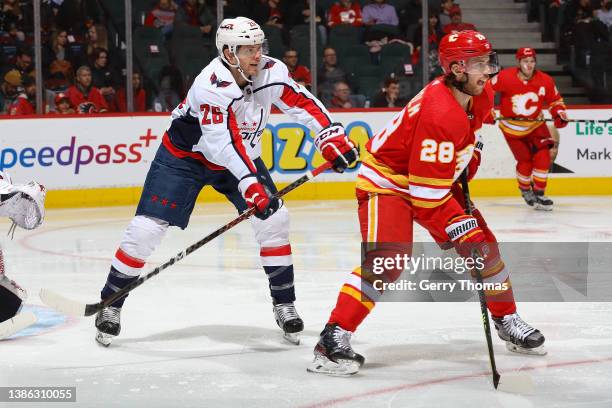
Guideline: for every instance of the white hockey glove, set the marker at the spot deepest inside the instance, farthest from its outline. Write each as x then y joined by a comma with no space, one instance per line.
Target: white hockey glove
336,147
24,204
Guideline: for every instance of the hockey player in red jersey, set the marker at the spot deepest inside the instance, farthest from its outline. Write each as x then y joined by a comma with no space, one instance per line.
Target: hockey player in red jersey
214,139
409,174
525,91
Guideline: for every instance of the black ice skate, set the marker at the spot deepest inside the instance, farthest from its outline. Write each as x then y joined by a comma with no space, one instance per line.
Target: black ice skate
542,202
333,353
108,323
529,197
520,337
289,321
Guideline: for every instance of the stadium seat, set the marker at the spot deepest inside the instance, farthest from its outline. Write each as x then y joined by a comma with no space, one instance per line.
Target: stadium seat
191,58
300,40
341,37
150,51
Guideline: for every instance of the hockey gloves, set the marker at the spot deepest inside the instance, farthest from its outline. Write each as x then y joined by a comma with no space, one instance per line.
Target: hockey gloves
256,196
561,119
467,236
336,147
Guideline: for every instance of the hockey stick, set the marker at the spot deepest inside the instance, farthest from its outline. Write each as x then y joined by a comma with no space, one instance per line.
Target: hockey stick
16,324
516,383
552,120
75,308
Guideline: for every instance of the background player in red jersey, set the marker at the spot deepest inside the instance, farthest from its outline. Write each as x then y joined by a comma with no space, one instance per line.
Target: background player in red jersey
524,93
409,172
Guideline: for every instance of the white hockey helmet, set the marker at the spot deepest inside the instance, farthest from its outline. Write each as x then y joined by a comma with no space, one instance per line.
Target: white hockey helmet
234,32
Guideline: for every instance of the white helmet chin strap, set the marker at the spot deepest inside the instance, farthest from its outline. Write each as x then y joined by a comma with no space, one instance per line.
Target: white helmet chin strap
232,49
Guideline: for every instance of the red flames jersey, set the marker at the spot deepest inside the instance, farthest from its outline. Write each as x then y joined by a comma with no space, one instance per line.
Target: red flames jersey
525,99
423,150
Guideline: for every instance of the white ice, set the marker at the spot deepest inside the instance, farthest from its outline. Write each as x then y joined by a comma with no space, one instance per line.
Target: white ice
201,334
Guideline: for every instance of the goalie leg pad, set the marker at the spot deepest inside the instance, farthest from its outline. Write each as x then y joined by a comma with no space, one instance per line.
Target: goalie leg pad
10,303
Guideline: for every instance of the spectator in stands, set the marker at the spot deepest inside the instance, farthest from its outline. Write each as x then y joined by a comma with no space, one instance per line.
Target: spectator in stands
435,33
573,8
345,12
342,98
299,73
267,12
298,12
191,13
85,97
62,105
96,37
140,96
588,32
11,34
25,102
103,76
378,12
457,23
23,62
11,14
604,14
60,50
9,90
445,9
388,97
330,72
162,17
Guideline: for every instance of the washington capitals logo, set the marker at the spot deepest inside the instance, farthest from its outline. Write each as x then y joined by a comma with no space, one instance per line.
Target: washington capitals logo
216,81
227,27
269,64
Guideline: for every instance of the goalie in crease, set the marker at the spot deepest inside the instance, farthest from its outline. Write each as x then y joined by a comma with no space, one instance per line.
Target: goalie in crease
214,139
24,205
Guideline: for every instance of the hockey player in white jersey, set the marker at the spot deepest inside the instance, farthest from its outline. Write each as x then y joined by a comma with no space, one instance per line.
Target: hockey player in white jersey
24,204
214,139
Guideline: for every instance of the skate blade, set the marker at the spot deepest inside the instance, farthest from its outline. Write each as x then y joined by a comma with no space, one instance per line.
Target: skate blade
541,207
104,339
293,338
516,383
323,365
537,351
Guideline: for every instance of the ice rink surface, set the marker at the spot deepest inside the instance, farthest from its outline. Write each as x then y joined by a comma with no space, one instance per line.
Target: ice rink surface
202,334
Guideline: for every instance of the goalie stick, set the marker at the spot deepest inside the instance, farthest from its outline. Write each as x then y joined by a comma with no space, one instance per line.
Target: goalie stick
552,120
521,383
16,324
75,308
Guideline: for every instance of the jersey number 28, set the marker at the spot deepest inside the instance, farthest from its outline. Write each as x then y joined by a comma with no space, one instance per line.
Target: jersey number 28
432,152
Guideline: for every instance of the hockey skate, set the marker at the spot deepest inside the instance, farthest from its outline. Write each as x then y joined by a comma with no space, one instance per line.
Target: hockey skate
289,321
519,336
108,323
529,197
542,202
333,354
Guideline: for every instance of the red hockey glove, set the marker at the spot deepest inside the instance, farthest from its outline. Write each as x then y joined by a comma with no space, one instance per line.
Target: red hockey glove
336,147
561,119
467,236
255,195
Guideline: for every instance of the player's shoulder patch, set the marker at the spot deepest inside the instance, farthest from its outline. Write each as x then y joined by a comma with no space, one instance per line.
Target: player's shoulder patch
269,63
219,83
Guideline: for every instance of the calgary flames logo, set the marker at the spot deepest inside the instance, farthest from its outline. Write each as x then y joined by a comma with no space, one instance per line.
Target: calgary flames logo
525,104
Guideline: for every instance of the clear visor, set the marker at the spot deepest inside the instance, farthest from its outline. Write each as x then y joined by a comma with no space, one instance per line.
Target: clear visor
483,65
249,51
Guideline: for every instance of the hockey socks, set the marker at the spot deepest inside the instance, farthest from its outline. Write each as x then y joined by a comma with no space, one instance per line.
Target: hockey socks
115,282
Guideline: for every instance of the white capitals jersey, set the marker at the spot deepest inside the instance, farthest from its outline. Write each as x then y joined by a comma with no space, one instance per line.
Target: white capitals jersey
221,124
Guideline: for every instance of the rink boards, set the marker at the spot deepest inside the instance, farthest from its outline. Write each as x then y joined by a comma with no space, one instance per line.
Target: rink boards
103,160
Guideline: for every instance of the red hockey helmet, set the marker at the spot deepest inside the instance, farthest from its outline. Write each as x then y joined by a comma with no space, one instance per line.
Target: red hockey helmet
524,53
459,48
